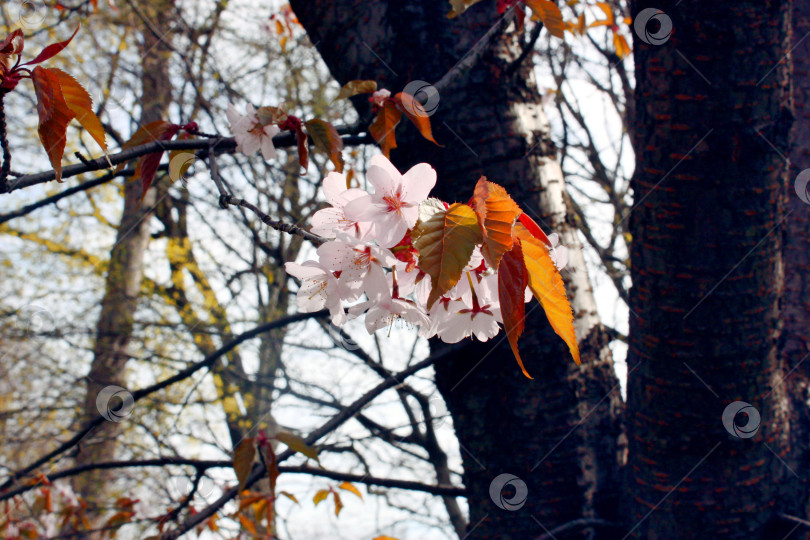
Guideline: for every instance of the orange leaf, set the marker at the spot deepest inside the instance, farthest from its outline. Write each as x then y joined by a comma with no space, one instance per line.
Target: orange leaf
79,101
54,116
383,127
338,503
321,495
622,48
496,213
534,229
416,113
243,460
547,285
445,242
610,21
248,524
551,16
512,281
348,486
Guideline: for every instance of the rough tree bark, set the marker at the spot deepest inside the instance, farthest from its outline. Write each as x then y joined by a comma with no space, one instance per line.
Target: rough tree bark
796,314
123,284
559,432
713,118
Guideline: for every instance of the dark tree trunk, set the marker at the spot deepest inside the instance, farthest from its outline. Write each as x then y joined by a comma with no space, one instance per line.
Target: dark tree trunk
559,432
796,314
712,118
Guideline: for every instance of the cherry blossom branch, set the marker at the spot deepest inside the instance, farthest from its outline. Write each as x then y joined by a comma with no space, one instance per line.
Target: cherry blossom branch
216,145
226,200
333,423
207,362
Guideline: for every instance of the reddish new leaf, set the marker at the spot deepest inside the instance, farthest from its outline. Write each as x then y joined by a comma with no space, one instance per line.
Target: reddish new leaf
496,213
327,139
303,148
54,116
513,279
52,50
148,164
243,460
13,44
416,113
384,126
534,229
547,285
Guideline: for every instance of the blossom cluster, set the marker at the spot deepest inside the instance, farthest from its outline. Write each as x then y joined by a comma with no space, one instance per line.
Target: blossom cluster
370,259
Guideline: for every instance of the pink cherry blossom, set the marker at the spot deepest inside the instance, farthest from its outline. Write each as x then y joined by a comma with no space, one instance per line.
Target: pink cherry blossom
394,206
383,309
250,134
460,321
378,98
360,265
329,221
319,288
558,252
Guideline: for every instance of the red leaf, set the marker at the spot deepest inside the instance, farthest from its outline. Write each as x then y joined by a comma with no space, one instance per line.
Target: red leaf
13,44
54,116
534,229
52,50
513,278
303,149
147,166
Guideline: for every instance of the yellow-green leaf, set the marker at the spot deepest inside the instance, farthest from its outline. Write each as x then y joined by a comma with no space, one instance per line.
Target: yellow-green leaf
348,486
547,286
297,444
445,243
243,460
459,7
352,88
